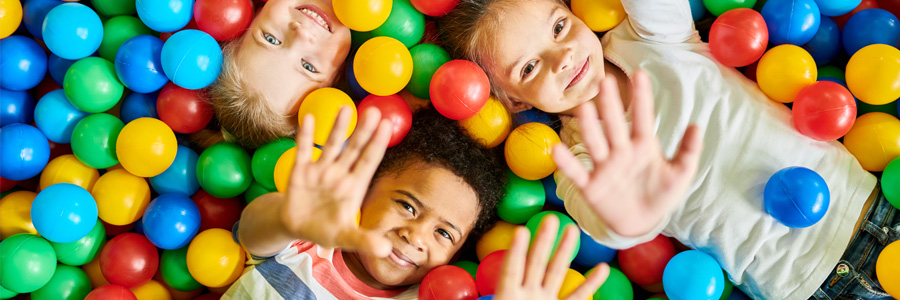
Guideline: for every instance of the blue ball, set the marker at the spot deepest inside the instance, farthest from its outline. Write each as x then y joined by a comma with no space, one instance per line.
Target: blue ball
15,107
192,59
33,13
826,44
23,63
139,64
550,191
698,9
56,116
357,89
139,226
797,197
165,15
64,213
591,253
488,297
171,221
137,105
693,275
24,151
870,26
737,294
58,68
791,21
181,176
834,8
534,115
72,31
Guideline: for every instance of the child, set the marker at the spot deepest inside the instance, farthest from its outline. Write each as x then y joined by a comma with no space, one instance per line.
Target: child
431,195
538,54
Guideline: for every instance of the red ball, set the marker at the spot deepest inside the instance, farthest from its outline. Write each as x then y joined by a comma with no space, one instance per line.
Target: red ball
892,6
435,285
434,8
47,85
110,292
223,19
129,260
217,212
865,4
114,230
57,150
488,273
7,184
644,264
392,108
184,110
738,37
459,89
750,71
824,111
210,296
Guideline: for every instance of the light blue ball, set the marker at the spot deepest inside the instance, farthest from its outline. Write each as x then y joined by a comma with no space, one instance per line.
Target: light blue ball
181,176
58,67
165,15
591,253
33,14
797,197
826,43
16,107
693,275
72,31
791,21
192,59
137,105
834,8
24,151
139,64
64,213
870,26
23,63
56,116
171,221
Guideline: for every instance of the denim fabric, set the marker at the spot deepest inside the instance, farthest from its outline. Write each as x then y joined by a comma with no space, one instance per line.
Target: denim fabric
854,276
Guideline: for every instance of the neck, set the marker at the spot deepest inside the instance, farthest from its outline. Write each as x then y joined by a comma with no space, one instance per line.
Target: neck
353,262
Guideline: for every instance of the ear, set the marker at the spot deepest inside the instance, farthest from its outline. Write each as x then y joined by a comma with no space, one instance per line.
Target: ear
517,107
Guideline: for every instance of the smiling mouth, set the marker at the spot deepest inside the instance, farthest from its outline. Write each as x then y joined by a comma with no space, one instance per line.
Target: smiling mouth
399,258
580,72
317,15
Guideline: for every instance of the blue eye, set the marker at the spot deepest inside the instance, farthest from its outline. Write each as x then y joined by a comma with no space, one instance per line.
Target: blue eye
309,67
271,39
445,234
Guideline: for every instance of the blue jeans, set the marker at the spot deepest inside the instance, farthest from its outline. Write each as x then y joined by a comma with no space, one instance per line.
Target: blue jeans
854,276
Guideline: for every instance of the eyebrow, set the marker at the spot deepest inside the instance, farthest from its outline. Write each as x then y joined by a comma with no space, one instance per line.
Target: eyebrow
424,207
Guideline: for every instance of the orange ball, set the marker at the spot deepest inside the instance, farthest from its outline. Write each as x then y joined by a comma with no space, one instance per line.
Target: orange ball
599,15
15,214
875,140
92,269
529,151
214,259
498,238
325,104
152,290
571,282
491,125
68,169
285,164
887,269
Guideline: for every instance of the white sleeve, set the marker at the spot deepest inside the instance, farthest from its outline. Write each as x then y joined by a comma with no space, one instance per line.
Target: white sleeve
664,21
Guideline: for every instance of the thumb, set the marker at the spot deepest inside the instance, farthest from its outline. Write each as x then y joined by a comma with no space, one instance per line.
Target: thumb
367,241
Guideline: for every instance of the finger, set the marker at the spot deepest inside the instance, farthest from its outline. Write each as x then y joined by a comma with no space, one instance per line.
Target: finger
570,166
335,142
366,241
539,253
642,106
513,270
361,136
591,133
614,125
591,283
559,264
305,143
688,156
374,151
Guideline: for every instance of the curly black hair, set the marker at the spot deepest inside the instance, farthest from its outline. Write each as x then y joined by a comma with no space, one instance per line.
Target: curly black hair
434,139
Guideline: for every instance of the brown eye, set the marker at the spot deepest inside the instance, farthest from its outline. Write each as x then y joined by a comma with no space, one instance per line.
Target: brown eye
559,27
528,68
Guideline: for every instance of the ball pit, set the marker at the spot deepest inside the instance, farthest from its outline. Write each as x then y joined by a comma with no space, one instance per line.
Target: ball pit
470,266
111,292
24,151
171,221
129,260
116,31
693,275
27,262
110,8
217,212
394,109
138,64
181,176
15,211
599,15
382,65
67,283
616,287
64,213
826,44
528,150
590,252
72,31
23,64
572,280
720,7
56,117
435,285
564,221
435,8
797,197
151,290
94,140
834,8
459,89
214,259
874,140
285,164
83,250
138,105
16,107
33,14
223,170
324,104
95,275
192,59
146,147
497,238
121,197
645,263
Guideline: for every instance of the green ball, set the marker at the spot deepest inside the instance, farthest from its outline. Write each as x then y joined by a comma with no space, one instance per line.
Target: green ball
564,221
174,270
94,140
616,287
357,38
264,159
10,191
6,294
119,29
84,250
68,283
719,7
427,58
27,263
728,287
223,170
831,71
114,7
254,191
469,266
890,182
864,108
523,199
92,86
405,23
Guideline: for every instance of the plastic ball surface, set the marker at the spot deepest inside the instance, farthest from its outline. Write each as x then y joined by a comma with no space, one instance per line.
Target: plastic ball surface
872,74
10,17
56,117
223,170
644,264
15,211
153,289
217,212
497,238
138,64
824,111
448,283
184,110
223,19
591,252
720,7
382,65
693,275
192,59
887,269
869,27
797,197
404,23
68,169
435,8
490,126
24,151
118,30
67,283
834,8
528,150
488,274
16,107
111,8
138,105
324,104
890,182
785,70
33,14
394,109
874,140
27,262
174,271
121,197
84,250
94,140
171,221
285,164
535,221
181,176
738,37
214,259
264,159
523,199
616,287
427,58
826,44
362,15
146,147
72,31
64,213
23,64
459,89
92,86
791,21
599,15
129,260
111,291
165,15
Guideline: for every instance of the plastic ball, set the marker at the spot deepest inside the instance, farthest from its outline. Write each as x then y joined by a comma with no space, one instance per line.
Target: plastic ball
599,15
254,191
171,221
6,294
571,281
529,149
223,20
394,109
129,260
784,71
33,14
57,67
15,211
64,213
738,37
138,105
214,259
138,64
435,8
217,212
24,151
720,7
824,111
165,16
874,140
354,84
174,270
184,110
535,221
435,284
693,275
111,292
117,30
15,107
362,15
152,290
872,74
264,159
469,266
497,238
121,197
550,192
834,8
223,170
488,274
868,27
616,287
72,31
427,58
285,164
111,8
23,64
797,197
94,140
57,117
83,250
490,126
324,104
405,23
92,86
459,89
591,252
27,263
10,17
890,183
68,169
791,21
826,44
181,176
146,147
192,59
67,283
863,5
887,269
382,65
92,269
522,200
644,264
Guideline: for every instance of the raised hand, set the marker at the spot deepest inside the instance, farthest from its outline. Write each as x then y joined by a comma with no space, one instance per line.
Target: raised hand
633,186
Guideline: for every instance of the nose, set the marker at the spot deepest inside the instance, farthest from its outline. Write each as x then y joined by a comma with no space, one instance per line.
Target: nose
413,238
303,34
563,59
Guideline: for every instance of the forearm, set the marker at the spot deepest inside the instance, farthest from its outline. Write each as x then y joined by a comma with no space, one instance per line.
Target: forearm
261,230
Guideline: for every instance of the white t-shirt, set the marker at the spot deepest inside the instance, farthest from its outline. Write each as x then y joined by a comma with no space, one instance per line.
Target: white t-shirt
747,138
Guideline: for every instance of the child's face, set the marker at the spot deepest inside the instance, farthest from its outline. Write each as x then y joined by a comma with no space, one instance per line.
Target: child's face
291,48
427,212
545,56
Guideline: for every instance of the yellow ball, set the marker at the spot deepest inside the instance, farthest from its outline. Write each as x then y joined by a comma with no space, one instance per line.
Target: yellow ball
874,140
571,282
491,125
146,147
599,15
873,74
152,290
15,214
887,269
92,269
784,71
121,197
285,164
362,15
383,66
68,169
10,17
529,151
324,104
214,259
498,238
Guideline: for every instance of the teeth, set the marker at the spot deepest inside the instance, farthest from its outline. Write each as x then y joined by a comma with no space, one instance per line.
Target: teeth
317,17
